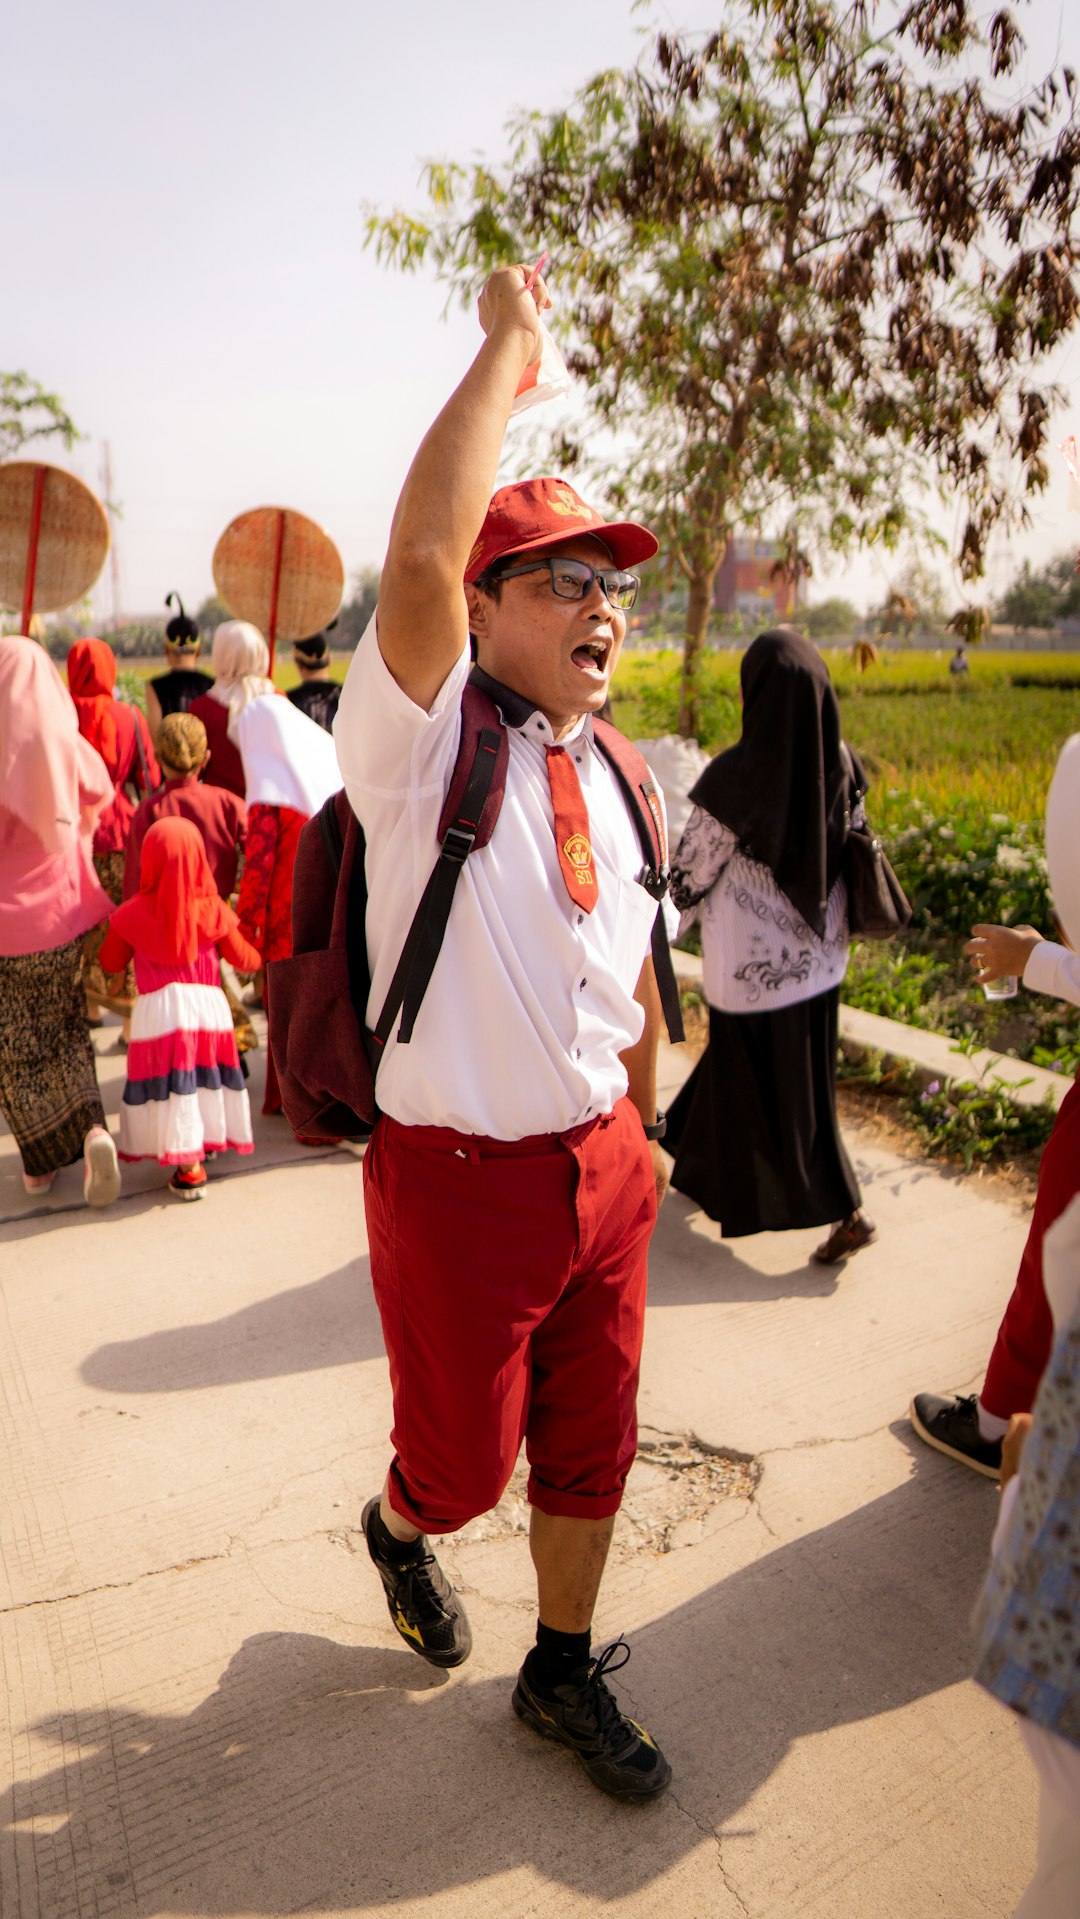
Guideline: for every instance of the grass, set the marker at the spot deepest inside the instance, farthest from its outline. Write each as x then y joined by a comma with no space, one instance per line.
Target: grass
991,743
959,781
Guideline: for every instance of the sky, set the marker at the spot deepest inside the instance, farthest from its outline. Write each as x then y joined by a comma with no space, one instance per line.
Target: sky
181,223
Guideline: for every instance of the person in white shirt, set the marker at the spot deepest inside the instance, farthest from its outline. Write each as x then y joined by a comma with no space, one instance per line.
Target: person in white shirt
510,1184
970,1427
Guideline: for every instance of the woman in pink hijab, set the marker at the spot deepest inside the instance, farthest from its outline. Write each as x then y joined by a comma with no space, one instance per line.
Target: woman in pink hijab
53,786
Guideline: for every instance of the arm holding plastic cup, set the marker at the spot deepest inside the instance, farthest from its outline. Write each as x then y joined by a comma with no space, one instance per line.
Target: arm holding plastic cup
999,955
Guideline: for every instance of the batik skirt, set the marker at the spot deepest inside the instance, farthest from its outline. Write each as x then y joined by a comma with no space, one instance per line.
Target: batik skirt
48,1077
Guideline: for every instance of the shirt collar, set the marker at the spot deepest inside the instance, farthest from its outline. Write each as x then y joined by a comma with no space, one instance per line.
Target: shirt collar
518,713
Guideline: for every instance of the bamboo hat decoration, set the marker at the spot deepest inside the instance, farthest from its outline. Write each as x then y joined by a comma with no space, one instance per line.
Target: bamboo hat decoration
54,538
275,567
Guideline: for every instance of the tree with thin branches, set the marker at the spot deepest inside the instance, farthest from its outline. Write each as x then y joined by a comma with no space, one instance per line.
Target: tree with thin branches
811,263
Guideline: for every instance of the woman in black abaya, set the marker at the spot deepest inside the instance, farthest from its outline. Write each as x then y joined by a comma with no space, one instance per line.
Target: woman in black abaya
754,1131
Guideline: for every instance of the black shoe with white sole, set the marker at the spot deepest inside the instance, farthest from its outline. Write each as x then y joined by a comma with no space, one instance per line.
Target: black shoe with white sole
952,1426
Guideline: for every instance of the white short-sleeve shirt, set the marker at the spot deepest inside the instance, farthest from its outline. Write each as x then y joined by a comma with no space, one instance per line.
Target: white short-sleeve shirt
532,1000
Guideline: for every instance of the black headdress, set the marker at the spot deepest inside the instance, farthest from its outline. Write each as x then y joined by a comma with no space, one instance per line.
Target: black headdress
181,632
783,789
315,650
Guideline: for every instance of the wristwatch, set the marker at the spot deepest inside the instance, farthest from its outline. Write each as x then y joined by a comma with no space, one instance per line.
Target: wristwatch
658,1128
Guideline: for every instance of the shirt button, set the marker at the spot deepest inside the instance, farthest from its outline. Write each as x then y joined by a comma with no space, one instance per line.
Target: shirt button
580,918
582,986
577,1052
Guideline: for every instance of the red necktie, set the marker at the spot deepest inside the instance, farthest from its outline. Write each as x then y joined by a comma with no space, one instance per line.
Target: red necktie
572,829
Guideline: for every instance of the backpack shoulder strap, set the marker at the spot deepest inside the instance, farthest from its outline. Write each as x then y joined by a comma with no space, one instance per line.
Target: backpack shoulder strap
646,810
479,717
473,802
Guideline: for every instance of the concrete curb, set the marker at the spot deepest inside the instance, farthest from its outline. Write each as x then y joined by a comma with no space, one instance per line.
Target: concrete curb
930,1056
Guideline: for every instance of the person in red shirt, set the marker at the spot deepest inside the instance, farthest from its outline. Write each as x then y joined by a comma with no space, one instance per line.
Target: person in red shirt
219,815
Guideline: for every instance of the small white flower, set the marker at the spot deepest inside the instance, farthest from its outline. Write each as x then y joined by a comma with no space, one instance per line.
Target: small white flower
999,819
1012,859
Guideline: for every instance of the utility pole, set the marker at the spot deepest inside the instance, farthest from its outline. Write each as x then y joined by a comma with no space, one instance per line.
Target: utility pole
114,548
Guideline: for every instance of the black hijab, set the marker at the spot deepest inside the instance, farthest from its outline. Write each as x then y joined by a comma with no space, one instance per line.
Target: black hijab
784,788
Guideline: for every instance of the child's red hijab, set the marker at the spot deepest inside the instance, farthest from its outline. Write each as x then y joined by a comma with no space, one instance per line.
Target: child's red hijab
91,670
177,908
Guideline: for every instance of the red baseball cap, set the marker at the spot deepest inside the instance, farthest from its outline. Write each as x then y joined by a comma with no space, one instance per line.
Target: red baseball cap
535,513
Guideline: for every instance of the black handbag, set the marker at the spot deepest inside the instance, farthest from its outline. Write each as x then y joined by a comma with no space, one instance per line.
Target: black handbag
878,907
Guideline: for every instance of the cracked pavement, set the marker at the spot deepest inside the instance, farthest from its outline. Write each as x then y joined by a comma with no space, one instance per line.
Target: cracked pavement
209,1713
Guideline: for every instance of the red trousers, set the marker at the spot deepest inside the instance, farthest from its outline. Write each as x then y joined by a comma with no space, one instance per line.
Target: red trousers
510,1278
1026,1333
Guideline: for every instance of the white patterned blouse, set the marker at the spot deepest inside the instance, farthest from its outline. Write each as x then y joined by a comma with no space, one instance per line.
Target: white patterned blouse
757,951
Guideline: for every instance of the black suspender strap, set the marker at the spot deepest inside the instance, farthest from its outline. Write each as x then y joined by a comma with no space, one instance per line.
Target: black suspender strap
425,936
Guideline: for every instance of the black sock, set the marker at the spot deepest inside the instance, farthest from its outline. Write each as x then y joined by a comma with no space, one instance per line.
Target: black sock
556,1656
388,1546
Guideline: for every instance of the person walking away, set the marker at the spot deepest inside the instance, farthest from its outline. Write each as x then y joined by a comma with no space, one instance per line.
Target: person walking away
754,1132
290,768
220,817
185,1095
241,661
182,681
317,694
970,1427
510,1184
53,788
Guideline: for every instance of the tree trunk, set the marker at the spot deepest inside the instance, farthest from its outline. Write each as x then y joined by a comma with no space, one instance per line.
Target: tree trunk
699,606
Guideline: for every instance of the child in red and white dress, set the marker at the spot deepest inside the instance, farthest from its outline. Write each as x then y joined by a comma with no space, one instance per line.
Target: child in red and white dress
185,1096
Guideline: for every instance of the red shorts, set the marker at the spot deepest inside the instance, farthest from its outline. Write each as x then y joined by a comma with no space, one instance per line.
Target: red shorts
510,1278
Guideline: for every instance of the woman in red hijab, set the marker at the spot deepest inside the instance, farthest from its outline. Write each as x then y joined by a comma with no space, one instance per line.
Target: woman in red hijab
121,736
185,1095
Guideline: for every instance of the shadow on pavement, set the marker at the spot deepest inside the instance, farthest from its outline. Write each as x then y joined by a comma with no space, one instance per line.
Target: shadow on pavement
694,1268
322,1777
330,1321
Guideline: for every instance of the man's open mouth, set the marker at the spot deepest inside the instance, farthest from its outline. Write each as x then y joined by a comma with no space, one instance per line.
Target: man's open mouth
591,655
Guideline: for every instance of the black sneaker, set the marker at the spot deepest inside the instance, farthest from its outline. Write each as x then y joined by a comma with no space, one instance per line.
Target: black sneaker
616,1752
952,1426
423,1604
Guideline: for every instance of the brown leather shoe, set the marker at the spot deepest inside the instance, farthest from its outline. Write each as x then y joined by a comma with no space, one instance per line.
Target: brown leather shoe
849,1237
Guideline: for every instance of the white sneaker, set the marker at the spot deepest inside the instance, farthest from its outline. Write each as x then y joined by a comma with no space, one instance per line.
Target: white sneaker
101,1168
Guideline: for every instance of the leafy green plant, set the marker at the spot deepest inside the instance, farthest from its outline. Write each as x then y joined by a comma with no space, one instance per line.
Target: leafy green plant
972,1121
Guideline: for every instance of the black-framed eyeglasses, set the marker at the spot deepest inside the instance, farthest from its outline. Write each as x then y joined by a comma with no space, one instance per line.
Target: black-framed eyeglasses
572,579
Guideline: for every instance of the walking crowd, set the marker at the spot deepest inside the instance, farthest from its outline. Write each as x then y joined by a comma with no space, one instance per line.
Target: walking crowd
518,1160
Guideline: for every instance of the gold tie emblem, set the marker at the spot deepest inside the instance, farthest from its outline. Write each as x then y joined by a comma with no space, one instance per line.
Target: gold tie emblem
579,853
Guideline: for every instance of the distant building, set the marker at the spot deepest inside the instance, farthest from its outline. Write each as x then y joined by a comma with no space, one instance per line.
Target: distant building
747,584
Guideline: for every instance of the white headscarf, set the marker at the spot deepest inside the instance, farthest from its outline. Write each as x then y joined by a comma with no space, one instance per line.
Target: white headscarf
288,760
1062,832
241,662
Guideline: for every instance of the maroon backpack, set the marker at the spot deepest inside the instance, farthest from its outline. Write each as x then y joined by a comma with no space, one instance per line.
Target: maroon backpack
325,1053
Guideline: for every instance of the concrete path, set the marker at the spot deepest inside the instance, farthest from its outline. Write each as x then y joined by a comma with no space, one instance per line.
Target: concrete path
209,1713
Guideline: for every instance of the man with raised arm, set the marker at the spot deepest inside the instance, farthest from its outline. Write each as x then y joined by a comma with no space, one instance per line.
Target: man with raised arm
512,1180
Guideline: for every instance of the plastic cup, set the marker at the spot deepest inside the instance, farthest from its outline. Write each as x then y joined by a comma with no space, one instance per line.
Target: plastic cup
1006,987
